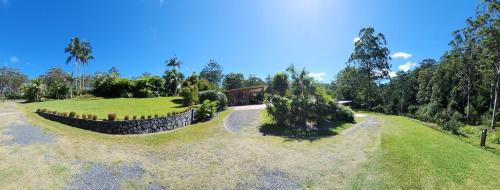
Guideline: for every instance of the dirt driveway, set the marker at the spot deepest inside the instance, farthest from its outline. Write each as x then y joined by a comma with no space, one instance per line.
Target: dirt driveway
221,160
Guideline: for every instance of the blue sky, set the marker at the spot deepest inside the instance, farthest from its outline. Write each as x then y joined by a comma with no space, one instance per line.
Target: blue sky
252,37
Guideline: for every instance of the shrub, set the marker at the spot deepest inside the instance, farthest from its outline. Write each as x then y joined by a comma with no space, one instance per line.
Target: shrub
77,116
156,115
149,117
412,109
279,108
94,117
207,110
112,116
38,110
453,124
143,117
169,113
223,102
125,118
211,95
44,110
134,117
378,108
84,116
72,114
344,114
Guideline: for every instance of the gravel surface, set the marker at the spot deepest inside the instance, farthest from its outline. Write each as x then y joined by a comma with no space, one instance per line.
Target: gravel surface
270,179
26,135
99,176
18,127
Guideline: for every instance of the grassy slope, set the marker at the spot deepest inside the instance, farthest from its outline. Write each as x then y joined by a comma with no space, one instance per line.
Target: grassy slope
413,156
120,106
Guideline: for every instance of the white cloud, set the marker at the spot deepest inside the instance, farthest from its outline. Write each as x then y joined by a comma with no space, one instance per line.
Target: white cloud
14,59
392,74
401,55
356,39
407,66
318,76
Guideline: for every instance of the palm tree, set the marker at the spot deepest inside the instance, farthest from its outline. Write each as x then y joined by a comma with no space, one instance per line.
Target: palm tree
173,62
86,56
74,53
81,52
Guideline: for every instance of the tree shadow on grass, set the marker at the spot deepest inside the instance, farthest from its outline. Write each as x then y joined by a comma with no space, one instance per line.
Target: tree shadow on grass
311,134
179,102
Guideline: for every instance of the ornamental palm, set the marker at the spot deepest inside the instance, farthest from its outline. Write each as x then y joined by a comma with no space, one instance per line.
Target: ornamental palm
173,62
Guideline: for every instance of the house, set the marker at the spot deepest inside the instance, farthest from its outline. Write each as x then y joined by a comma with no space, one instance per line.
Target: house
241,96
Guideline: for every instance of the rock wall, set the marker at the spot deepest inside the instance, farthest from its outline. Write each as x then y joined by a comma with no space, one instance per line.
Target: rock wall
139,126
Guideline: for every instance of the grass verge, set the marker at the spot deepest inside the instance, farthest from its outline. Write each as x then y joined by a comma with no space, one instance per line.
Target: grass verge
413,156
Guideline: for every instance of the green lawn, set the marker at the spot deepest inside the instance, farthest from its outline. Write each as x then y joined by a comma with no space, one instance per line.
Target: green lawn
120,106
413,156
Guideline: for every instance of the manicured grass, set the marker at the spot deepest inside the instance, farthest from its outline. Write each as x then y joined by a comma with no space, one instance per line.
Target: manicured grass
120,106
187,134
413,156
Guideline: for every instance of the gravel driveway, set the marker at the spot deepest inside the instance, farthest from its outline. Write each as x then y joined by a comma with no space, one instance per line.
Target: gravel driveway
244,118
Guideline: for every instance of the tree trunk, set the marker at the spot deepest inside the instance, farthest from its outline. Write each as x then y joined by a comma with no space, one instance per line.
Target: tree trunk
83,77
493,119
468,100
368,92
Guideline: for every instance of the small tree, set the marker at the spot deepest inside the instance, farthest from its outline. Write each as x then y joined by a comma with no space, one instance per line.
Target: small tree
189,91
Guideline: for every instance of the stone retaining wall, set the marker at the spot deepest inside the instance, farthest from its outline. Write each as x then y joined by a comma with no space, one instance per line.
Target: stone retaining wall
140,126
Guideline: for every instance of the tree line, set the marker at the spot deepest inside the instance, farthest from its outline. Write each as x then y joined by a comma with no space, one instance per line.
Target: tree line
461,87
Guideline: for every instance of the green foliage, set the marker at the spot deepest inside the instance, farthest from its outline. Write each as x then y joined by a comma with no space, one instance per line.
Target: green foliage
173,81
279,84
211,95
342,113
256,98
254,81
126,118
212,72
11,80
304,104
233,81
148,87
94,117
189,91
72,114
34,90
207,110
371,56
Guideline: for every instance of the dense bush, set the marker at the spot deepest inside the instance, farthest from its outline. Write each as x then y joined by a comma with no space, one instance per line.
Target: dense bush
304,106
126,118
213,95
94,117
189,91
207,110
342,113
72,114
378,108
279,108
